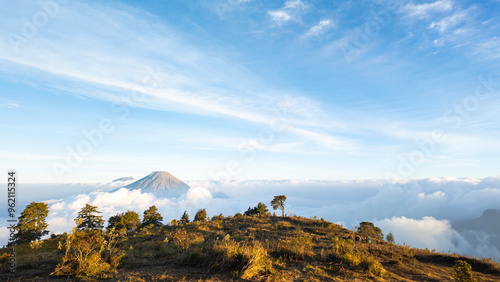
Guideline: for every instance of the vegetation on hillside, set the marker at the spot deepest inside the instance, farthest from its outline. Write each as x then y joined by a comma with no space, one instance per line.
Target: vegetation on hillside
243,247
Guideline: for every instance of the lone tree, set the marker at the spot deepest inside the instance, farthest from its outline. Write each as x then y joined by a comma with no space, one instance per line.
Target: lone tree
368,229
389,237
31,225
201,215
88,219
152,216
279,203
185,217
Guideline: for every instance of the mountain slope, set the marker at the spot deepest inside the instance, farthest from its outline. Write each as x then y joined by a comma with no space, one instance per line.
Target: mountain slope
162,184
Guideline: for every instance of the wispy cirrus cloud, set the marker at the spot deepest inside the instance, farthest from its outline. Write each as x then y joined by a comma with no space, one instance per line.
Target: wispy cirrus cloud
451,21
317,30
291,10
8,103
426,9
91,61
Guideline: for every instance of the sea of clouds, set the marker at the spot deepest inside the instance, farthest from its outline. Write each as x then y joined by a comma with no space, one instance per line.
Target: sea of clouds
418,212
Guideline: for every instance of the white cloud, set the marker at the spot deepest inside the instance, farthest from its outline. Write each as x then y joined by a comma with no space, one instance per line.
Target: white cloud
291,10
438,235
280,16
450,22
425,9
319,29
294,4
488,48
174,70
8,103
427,232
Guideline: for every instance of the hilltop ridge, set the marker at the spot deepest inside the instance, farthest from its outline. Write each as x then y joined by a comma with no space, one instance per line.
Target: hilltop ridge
267,248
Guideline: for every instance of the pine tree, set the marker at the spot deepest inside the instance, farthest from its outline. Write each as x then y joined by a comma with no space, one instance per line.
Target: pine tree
88,219
152,216
279,203
261,209
185,217
131,220
201,215
32,225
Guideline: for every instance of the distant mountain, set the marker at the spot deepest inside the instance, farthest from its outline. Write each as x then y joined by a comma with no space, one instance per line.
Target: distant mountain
124,179
162,184
488,222
485,228
220,195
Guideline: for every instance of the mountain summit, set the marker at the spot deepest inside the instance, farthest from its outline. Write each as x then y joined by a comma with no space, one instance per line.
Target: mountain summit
162,184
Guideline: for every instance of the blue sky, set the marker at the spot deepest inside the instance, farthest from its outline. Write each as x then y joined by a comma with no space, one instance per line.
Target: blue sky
247,89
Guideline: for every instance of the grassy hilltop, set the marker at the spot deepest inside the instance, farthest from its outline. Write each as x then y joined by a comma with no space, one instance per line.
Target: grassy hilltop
247,248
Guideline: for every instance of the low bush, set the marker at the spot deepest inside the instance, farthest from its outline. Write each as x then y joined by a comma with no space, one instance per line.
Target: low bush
463,272
372,266
246,260
183,240
296,248
90,253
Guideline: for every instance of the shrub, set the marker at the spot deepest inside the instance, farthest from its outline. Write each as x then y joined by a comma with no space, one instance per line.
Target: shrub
246,260
463,272
5,261
36,244
183,240
296,248
90,254
111,252
351,259
284,225
372,266
341,247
